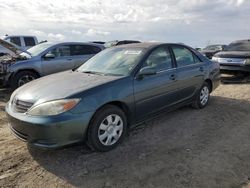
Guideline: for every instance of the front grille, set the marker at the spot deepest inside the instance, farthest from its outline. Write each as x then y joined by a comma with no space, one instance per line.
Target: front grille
21,106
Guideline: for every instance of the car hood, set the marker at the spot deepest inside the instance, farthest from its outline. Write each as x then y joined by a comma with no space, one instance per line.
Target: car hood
209,51
59,86
233,54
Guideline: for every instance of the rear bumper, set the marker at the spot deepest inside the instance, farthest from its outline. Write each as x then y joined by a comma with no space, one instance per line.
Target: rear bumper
49,132
234,68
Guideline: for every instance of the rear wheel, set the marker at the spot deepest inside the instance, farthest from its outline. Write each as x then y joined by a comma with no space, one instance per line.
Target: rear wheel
107,128
22,78
203,97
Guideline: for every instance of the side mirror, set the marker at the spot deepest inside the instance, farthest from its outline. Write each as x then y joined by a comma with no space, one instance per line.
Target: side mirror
147,71
49,56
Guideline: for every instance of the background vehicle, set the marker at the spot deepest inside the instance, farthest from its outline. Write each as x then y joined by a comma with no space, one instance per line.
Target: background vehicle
117,88
121,42
23,41
8,48
210,50
47,58
235,58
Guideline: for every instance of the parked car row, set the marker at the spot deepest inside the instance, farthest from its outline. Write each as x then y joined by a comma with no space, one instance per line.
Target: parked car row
233,58
111,92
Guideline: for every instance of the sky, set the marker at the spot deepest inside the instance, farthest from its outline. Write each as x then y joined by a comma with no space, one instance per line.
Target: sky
193,22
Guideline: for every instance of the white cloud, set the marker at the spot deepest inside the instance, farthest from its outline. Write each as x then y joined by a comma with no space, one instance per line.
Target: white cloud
189,21
56,37
93,32
76,32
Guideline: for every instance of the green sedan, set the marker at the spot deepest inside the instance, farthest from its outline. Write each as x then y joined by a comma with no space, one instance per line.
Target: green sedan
114,90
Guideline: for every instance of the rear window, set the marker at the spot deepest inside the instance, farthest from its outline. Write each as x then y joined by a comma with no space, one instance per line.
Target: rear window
15,40
29,41
84,49
239,46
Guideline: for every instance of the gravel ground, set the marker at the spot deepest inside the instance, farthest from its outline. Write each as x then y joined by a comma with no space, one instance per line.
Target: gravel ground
186,148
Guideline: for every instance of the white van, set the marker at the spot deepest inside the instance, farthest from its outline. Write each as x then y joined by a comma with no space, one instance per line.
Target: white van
24,42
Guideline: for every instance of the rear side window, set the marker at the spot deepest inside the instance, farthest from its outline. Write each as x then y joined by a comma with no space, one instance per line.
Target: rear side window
84,49
15,40
29,41
61,51
160,59
183,56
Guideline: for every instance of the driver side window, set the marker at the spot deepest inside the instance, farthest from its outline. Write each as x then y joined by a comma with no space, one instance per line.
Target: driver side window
160,59
60,51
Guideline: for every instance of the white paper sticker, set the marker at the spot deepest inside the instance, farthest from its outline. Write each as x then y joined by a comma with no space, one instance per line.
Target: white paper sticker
132,52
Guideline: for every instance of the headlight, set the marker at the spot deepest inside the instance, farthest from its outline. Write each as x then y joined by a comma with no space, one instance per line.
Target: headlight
215,59
247,62
53,107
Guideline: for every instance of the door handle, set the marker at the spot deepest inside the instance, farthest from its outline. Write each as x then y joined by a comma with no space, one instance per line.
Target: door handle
201,69
69,59
172,77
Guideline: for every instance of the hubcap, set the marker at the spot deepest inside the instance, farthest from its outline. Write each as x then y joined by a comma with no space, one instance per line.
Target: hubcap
204,95
25,79
110,130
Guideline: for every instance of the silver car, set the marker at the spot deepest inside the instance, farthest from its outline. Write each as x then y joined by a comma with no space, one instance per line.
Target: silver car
44,59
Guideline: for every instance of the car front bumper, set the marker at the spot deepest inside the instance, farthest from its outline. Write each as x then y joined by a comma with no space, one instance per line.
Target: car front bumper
51,131
234,68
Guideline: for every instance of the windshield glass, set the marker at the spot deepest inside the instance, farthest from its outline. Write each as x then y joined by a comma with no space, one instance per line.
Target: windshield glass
115,61
239,46
213,47
34,51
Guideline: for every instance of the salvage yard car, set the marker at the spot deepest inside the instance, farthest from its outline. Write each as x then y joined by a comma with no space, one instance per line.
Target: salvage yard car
235,58
211,50
44,59
23,41
114,90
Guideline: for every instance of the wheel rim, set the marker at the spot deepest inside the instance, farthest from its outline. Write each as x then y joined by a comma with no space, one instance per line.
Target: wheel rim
204,95
110,130
25,79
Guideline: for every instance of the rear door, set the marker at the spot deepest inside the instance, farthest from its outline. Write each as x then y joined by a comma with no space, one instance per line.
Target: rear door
190,71
62,61
154,92
81,53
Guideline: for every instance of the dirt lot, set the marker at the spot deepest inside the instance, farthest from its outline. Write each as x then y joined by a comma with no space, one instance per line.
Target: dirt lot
184,148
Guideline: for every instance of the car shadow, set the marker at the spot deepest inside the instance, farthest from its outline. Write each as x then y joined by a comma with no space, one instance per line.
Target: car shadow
158,146
4,97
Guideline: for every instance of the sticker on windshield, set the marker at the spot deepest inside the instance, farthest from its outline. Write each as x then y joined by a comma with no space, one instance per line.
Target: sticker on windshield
132,52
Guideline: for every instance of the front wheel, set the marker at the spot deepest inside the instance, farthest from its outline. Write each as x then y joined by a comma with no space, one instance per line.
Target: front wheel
22,78
203,97
107,128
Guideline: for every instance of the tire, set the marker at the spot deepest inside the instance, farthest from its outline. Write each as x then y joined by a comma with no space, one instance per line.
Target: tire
22,78
202,97
107,129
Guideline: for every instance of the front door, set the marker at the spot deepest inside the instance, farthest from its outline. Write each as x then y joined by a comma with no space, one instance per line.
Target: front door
62,60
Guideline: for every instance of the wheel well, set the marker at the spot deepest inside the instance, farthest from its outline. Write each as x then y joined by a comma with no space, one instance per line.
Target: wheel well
120,105
210,84
31,70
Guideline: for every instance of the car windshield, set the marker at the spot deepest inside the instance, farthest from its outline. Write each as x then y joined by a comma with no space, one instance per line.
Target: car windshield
213,47
114,61
239,46
34,51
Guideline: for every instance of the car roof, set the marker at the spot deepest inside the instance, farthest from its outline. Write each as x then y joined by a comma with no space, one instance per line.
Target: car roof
242,41
82,43
148,45
140,45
